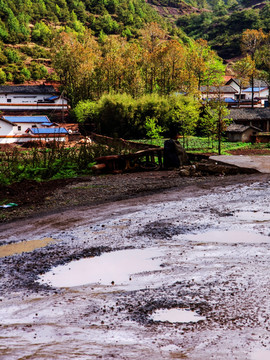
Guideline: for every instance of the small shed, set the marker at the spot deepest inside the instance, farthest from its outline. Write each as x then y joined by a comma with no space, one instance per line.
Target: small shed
258,117
241,133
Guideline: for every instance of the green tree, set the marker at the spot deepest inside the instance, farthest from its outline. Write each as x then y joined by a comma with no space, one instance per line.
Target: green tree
184,115
26,73
220,118
3,77
74,61
263,61
244,69
153,130
251,43
42,33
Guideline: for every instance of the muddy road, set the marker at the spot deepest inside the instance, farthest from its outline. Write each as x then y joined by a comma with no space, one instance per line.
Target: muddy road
182,274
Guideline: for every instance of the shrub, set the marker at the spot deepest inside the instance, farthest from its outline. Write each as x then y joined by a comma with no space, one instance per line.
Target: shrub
12,56
3,77
121,115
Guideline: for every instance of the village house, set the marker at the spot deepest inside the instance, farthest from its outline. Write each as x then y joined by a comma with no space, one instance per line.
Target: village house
18,129
30,98
226,93
241,133
260,92
258,117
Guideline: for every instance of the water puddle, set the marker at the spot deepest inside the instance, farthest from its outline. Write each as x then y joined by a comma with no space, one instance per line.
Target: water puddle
25,246
257,216
261,355
232,236
176,315
114,268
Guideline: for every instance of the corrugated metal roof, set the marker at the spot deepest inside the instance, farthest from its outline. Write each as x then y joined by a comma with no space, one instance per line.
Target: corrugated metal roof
48,131
27,89
27,119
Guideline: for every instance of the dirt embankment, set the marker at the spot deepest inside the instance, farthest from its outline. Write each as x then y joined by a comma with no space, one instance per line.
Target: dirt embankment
34,198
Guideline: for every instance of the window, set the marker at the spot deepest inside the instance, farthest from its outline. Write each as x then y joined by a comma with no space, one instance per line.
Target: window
9,100
243,96
19,128
34,126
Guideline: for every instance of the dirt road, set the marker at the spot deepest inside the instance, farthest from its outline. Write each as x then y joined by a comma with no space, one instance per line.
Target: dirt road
200,248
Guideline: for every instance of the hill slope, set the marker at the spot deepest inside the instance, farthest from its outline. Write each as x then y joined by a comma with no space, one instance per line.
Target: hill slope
219,22
28,27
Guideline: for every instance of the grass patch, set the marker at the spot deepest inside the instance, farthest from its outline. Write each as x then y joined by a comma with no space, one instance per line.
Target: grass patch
194,144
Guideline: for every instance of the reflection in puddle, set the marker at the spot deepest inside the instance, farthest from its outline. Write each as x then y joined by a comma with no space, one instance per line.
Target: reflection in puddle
261,355
257,216
235,236
113,268
25,246
176,315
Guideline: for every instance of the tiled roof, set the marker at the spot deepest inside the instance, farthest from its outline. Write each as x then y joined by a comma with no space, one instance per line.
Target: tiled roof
217,89
27,89
27,119
237,128
250,114
256,83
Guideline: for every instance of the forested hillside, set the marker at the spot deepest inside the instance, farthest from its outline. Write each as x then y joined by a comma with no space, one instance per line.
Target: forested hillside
220,22
27,29
37,20
223,29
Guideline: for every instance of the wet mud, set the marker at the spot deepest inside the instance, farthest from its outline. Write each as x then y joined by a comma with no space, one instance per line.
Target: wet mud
210,250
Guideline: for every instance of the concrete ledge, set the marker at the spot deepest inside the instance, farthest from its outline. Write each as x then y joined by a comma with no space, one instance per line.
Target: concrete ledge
260,163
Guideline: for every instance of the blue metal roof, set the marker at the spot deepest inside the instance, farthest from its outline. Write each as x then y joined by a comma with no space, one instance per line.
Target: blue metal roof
54,97
47,124
48,131
27,119
229,100
255,89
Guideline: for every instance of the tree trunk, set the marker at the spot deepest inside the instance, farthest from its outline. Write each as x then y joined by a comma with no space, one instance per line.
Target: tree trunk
252,91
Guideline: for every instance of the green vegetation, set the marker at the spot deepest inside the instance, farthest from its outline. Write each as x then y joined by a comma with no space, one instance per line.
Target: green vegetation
153,64
121,115
27,28
201,145
36,20
53,162
223,26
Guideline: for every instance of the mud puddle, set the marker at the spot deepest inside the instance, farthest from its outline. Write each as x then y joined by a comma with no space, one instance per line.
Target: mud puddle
176,316
25,246
228,237
261,355
222,275
257,216
114,268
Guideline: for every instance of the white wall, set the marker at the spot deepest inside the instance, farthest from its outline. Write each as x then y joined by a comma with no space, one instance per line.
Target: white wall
11,134
28,102
6,129
24,127
25,138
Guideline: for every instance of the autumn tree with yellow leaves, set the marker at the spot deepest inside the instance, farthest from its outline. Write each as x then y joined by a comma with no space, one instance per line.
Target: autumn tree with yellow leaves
153,63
